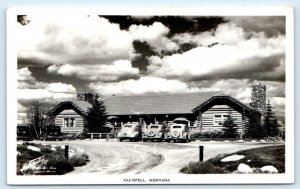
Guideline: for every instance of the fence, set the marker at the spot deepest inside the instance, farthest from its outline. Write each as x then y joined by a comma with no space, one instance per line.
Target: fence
102,135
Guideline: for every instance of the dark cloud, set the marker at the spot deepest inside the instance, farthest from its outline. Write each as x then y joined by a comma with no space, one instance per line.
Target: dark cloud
143,51
176,24
271,25
40,73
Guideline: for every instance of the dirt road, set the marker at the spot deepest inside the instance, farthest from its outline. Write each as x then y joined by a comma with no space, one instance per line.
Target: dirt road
113,157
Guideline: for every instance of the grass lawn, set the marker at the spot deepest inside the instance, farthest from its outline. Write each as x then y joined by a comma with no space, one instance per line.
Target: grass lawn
255,158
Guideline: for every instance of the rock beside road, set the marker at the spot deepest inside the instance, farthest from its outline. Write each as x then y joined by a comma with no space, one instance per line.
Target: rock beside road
269,169
243,168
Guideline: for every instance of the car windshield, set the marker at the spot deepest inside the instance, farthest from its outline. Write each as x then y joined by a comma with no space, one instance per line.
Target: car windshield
127,126
154,127
176,127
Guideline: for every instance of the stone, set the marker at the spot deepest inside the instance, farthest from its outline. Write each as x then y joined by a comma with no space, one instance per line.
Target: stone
269,169
263,141
33,148
53,149
234,157
243,168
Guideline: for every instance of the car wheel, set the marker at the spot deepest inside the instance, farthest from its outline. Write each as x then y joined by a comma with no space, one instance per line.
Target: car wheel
144,140
120,140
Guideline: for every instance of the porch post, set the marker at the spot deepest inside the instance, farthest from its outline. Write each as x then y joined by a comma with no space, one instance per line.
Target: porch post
244,123
200,120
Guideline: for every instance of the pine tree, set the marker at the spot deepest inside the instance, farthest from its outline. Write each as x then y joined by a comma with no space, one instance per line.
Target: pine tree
96,117
254,128
270,121
230,128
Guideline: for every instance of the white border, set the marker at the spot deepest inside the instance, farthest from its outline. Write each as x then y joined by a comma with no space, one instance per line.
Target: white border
288,177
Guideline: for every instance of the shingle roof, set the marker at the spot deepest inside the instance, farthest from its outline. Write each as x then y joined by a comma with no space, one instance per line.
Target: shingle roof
156,103
83,105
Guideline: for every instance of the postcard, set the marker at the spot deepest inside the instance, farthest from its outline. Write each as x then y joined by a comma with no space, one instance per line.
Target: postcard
150,95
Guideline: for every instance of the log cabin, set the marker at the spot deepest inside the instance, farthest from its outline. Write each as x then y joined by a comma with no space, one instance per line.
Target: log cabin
206,111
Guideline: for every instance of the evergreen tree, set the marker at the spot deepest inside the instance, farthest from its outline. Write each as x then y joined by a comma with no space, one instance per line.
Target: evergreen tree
270,121
230,128
254,128
96,117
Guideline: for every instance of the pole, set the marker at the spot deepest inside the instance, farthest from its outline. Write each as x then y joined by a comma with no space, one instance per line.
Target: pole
201,148
67,151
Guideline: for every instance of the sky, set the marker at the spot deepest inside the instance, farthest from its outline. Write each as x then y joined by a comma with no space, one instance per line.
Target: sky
61,55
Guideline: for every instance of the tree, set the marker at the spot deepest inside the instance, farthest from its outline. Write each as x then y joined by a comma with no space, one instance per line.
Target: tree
230,128
270,121
96,117
35,118
254,128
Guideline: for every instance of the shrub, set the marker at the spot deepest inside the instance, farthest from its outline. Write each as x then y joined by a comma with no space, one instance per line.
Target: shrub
208,134
46,150
201,168
79,160
60,165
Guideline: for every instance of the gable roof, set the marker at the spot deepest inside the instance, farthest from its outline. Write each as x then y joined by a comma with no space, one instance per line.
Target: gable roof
225,99
158,103
78,105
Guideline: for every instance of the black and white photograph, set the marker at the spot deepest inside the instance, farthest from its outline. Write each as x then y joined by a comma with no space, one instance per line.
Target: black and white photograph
150,95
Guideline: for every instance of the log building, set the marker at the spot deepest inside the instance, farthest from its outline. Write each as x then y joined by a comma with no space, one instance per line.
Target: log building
205,110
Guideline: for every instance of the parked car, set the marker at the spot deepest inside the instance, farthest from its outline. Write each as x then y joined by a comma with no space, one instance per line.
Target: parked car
154,132
181,120
23,133
131,132
53,133
179,131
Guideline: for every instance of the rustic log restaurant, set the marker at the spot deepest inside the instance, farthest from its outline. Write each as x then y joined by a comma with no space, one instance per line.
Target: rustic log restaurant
206,111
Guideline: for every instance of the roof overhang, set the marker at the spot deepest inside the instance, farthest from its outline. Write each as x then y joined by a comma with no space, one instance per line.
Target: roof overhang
227,100
66,105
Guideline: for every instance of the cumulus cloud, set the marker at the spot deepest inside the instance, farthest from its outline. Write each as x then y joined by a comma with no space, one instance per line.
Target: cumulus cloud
67,38
30,89
142,85
155,35
232,54
270,25
25,78
100,72
50,92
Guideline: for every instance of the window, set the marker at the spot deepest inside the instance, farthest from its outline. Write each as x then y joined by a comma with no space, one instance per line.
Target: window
219,119
69,122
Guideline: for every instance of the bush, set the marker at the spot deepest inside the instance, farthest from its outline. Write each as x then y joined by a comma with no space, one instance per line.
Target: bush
202,168
79,160
208,134
60,165
46,150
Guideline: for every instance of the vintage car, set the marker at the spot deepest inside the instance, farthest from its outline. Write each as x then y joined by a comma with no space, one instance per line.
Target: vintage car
154,132
178,132
181,120
131,132
53,133
23,133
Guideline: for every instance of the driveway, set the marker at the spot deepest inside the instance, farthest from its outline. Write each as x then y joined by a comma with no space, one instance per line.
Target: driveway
113,157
